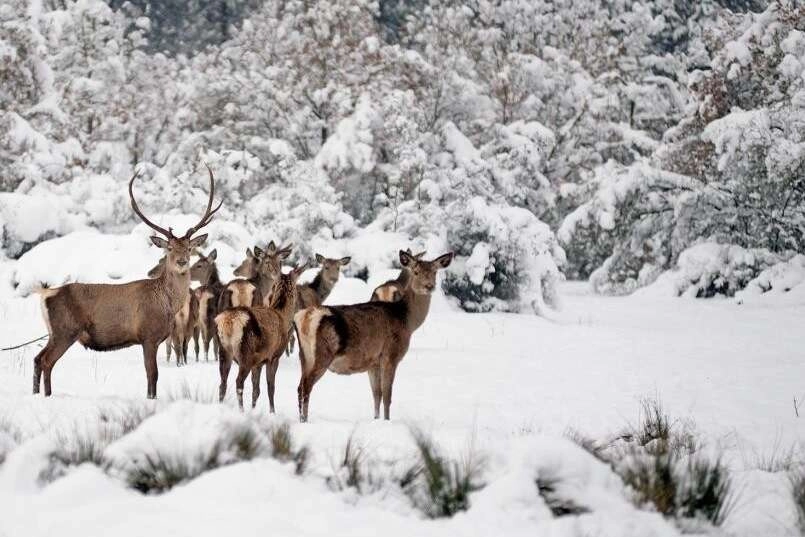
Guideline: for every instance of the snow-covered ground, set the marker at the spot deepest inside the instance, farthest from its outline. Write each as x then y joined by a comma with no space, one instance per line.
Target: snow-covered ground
511,385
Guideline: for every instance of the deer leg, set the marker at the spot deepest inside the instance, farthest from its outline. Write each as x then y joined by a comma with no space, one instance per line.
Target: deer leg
271,375
205,339
387,381
47,358
195,340
305,387
255,384
374,381
151,371
223,367
168,347
177,348
185,345
291,342
216,347
239,380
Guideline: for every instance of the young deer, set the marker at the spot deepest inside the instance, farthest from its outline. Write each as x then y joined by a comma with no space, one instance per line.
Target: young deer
183,325
259,269
392,290
372,337
108,317
317,291
206,272
256,336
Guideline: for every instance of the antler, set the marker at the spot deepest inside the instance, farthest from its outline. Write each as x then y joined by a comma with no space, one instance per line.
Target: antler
136,209
208,213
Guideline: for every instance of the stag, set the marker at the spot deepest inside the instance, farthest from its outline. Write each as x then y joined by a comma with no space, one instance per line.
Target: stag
107,317
184,325
371,337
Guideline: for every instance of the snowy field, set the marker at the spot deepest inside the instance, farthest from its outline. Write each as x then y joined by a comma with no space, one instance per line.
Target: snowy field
510,386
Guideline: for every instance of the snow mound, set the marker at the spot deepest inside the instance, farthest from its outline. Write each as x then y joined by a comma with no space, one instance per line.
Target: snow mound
26,220
709,269
575,476
199,436
782,282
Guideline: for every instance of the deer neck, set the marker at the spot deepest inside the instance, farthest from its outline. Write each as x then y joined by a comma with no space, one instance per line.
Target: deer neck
321,286
404,278
285,307
213,281
176,286
417,307
263,282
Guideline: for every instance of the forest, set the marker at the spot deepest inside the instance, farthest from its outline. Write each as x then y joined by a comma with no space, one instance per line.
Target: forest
540,140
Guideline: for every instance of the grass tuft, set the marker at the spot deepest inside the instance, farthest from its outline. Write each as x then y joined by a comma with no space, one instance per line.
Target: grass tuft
590,445
655,425
193,393
439,486
284,449
354,471
160,472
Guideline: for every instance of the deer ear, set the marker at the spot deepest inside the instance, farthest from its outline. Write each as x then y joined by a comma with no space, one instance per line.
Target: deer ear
213,255
271,247
282,254
345,261
444,260
249,252
406,259
195,242
319,259
159,242
296,272
258,252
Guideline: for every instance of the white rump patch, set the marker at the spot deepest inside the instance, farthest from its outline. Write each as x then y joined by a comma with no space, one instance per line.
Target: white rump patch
307,323
230,326
44,294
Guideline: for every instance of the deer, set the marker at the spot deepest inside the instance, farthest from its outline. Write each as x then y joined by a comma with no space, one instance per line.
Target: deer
107,317
183,325
205,271
258,271
256,336
317,291
372,337
392,290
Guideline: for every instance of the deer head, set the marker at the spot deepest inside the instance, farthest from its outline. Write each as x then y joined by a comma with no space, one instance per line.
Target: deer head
177,249
247,269
201,269
283,289
269,262
331,268
423,273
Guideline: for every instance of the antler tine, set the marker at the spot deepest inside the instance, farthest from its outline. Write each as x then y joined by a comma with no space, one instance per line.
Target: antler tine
139,213
207,213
